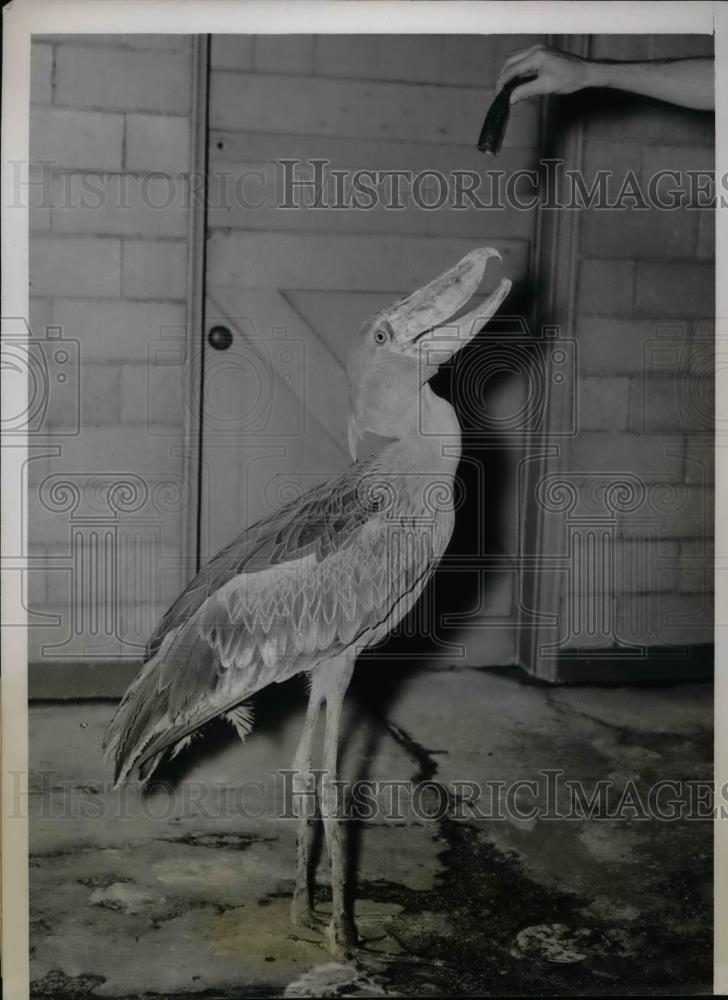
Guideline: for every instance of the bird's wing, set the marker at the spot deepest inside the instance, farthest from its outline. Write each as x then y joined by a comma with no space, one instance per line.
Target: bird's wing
308,582
316,524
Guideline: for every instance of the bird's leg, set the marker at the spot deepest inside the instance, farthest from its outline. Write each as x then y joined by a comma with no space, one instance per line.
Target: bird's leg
342,930
304,786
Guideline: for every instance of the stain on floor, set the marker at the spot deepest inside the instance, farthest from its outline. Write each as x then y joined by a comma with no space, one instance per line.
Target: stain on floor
181,896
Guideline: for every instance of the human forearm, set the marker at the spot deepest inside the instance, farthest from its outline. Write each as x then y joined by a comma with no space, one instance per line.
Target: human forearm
688,82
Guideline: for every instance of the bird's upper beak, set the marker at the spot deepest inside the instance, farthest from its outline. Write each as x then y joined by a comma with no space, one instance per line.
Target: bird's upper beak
424,323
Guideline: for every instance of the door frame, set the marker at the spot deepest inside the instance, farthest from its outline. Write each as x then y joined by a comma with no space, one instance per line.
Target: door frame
555,270
193,380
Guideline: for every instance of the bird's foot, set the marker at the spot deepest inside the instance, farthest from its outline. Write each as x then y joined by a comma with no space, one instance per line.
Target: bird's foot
342,936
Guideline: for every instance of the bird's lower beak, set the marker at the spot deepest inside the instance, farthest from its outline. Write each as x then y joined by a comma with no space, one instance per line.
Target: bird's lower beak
425,321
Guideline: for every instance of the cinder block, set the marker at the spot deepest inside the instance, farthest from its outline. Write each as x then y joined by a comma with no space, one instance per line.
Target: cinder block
37,589
94,392
639,234
587,618
619,117
143,571
614,160
100,395
89,267
41,73
231,52
627,565
605,287
690,183
40,315
51,526
645,566
681,404
675,125
158,142
70,139
700,460
115,448
697,565
37,465
158,570
665,619
283,53
626,117
639,454
155,270
120,204
668,290
603,403
706,234
608,345
37,195
673,511
152,394
703,350
50,641
125,80
119,330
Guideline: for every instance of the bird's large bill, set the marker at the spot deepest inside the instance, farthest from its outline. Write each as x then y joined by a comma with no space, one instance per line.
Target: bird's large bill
426,322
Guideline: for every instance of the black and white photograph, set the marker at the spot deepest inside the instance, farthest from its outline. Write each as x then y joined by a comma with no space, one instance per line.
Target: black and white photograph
358,555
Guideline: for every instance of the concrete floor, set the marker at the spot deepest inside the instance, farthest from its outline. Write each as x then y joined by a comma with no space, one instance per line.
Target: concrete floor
177,896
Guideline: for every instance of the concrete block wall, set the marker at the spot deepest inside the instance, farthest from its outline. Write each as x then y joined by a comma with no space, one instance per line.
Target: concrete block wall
644,327
110,128
109,153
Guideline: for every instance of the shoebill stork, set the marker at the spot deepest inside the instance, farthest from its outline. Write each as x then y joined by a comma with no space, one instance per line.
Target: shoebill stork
311,585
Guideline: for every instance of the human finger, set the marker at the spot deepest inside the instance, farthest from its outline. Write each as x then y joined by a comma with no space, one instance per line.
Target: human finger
515,58
530,63
533,88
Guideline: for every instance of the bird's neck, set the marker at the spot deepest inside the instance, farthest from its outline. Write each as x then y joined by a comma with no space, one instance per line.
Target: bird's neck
437,416
431,442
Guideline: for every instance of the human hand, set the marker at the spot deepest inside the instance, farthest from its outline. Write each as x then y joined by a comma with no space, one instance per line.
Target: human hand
556,72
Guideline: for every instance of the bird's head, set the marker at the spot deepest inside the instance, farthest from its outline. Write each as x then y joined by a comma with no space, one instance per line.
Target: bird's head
401,347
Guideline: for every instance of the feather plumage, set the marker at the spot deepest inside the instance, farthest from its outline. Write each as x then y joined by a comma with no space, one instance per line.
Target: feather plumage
336,567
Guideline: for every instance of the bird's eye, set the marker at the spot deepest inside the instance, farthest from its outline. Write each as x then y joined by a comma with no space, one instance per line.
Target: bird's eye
381,335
